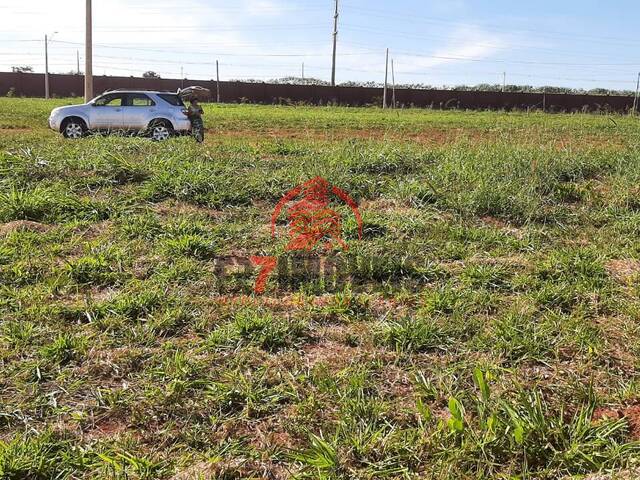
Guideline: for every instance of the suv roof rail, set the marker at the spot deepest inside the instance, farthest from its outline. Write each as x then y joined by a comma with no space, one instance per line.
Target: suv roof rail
137,90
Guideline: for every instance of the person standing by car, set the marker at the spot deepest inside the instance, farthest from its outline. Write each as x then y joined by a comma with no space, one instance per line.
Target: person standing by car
195,112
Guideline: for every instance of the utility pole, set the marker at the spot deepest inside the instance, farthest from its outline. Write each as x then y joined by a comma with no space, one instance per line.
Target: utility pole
635,99
181,77
302,72
217,82
335,44
393,83
386,76
46,68
88,56
78,61
504,82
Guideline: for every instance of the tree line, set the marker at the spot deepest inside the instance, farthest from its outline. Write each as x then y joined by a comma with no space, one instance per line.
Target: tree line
481,87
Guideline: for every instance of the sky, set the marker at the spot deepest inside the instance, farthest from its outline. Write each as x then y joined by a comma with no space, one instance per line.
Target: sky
580,44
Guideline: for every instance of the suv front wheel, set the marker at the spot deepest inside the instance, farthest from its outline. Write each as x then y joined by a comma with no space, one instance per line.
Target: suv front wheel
160,130
73,128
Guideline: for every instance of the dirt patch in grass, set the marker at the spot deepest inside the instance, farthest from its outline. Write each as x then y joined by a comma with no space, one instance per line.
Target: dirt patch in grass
428,136
623,269
15,130
21,226
284,303
501,225
95,230
105,429
334,349
182,208
631,414
80,297
624,475
236,468
388,206
333,354
494,222
269,433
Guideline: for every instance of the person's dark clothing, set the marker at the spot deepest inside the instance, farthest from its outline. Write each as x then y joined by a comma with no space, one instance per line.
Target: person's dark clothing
195,113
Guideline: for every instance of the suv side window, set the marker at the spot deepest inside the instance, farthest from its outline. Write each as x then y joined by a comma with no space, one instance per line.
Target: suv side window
171,98
139,100
110,100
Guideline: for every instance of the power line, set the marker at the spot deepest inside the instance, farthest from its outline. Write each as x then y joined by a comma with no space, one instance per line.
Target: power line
377,72
523,62
199,53
370,52
177,29
151,61
466,41
495,27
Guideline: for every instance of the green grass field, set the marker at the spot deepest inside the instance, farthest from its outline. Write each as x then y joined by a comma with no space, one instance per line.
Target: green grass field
497,334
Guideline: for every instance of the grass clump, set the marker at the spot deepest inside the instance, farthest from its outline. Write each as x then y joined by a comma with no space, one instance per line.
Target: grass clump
51,205
196,246
259,328
96,269
64,349
39,456
423,334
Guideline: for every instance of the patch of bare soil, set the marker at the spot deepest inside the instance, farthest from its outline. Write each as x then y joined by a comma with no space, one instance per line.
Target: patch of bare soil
381,307
284,303
587,142
95,230
233,469
499,224
172,207
622,475
631,414
290,303
333,354
22,226
11,129
269,433
623,269
426,136
386,206
94,295
107,428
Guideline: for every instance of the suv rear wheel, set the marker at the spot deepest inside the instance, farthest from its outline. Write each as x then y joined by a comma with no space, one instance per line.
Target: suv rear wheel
73,128
160,130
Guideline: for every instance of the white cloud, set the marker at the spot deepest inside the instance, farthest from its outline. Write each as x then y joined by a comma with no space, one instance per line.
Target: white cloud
462,44
164,36
186,31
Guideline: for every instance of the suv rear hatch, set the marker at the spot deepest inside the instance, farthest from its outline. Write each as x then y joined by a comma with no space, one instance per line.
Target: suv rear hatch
194,93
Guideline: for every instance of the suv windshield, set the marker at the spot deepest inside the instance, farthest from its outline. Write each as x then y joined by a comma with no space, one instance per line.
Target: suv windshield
171,98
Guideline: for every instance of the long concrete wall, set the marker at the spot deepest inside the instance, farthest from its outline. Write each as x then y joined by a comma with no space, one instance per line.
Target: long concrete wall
32,85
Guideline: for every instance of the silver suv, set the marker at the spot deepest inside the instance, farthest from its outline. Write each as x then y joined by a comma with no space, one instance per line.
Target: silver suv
156,114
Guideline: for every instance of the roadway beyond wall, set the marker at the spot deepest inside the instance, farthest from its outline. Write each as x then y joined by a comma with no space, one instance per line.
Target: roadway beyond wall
32,85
